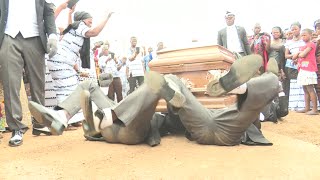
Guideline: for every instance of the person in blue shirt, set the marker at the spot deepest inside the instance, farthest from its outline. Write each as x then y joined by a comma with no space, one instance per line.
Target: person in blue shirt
147,59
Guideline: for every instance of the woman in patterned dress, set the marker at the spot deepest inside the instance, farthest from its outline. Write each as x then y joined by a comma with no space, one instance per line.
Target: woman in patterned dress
76,38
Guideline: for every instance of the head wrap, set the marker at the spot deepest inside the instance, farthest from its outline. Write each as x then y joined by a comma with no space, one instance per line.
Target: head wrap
81,15
78,17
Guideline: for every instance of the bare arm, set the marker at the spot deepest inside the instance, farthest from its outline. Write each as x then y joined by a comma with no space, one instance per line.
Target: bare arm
305,52
96,30
70,14
287,54
60,8
133,56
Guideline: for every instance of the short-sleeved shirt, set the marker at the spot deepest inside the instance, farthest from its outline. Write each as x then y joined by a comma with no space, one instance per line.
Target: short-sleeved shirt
109,67
146,60
293,47
309,62
135,67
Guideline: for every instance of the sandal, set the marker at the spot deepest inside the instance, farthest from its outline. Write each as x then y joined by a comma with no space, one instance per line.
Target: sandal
312,113
302,111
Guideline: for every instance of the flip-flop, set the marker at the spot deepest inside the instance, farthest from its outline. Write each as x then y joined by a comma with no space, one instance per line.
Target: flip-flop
312,113
302,111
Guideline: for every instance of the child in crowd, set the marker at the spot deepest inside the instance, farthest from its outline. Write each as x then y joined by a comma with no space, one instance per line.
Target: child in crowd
307,76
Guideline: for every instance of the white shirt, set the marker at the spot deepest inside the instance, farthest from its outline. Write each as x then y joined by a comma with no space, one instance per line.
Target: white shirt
22,17
293,47
233,41
109,67
135,67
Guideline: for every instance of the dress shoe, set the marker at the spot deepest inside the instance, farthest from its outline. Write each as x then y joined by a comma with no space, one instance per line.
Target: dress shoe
48,117
39,131
282,109
241,71
97,137
16,138
154,137
166,87
35,124
88,124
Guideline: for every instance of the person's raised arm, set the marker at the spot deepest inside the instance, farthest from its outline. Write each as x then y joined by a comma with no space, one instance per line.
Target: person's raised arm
71,11
60,8
96,30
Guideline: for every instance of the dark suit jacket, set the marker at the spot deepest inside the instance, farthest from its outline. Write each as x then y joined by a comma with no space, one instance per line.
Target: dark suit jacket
222,39
45,18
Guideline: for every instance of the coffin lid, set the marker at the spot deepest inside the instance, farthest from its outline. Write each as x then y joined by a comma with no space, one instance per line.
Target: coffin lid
192,54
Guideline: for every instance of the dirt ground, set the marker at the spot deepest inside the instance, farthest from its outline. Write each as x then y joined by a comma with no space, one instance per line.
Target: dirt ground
294,155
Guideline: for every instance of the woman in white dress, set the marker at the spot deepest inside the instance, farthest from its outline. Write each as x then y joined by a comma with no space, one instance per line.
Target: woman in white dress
76,38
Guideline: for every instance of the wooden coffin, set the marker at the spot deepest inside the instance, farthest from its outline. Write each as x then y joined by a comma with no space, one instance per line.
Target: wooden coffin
193,63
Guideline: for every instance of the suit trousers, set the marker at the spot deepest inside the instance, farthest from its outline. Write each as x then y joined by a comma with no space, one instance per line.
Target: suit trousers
115,88
134,112
17,54
226,126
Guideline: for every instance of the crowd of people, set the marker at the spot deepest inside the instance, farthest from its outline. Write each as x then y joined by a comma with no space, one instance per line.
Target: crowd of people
296,50
69,76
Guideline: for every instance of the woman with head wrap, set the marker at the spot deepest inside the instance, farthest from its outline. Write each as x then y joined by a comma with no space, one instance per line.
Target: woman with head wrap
74,43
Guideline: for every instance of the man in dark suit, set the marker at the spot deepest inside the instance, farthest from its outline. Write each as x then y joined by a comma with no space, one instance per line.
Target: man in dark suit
234,37
24,29
133,120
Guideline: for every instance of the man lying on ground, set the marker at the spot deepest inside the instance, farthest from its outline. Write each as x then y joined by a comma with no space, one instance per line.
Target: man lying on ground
131,122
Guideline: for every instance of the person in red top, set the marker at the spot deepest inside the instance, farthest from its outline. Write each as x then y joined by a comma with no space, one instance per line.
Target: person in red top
260,44
307,67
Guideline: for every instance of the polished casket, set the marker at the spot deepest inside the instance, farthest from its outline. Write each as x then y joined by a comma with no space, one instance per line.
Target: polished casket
193,63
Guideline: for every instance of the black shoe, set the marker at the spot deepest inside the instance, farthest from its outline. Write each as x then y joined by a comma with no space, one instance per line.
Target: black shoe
16,138
154,137
241,71
39,131
282,109
97,137
35,124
